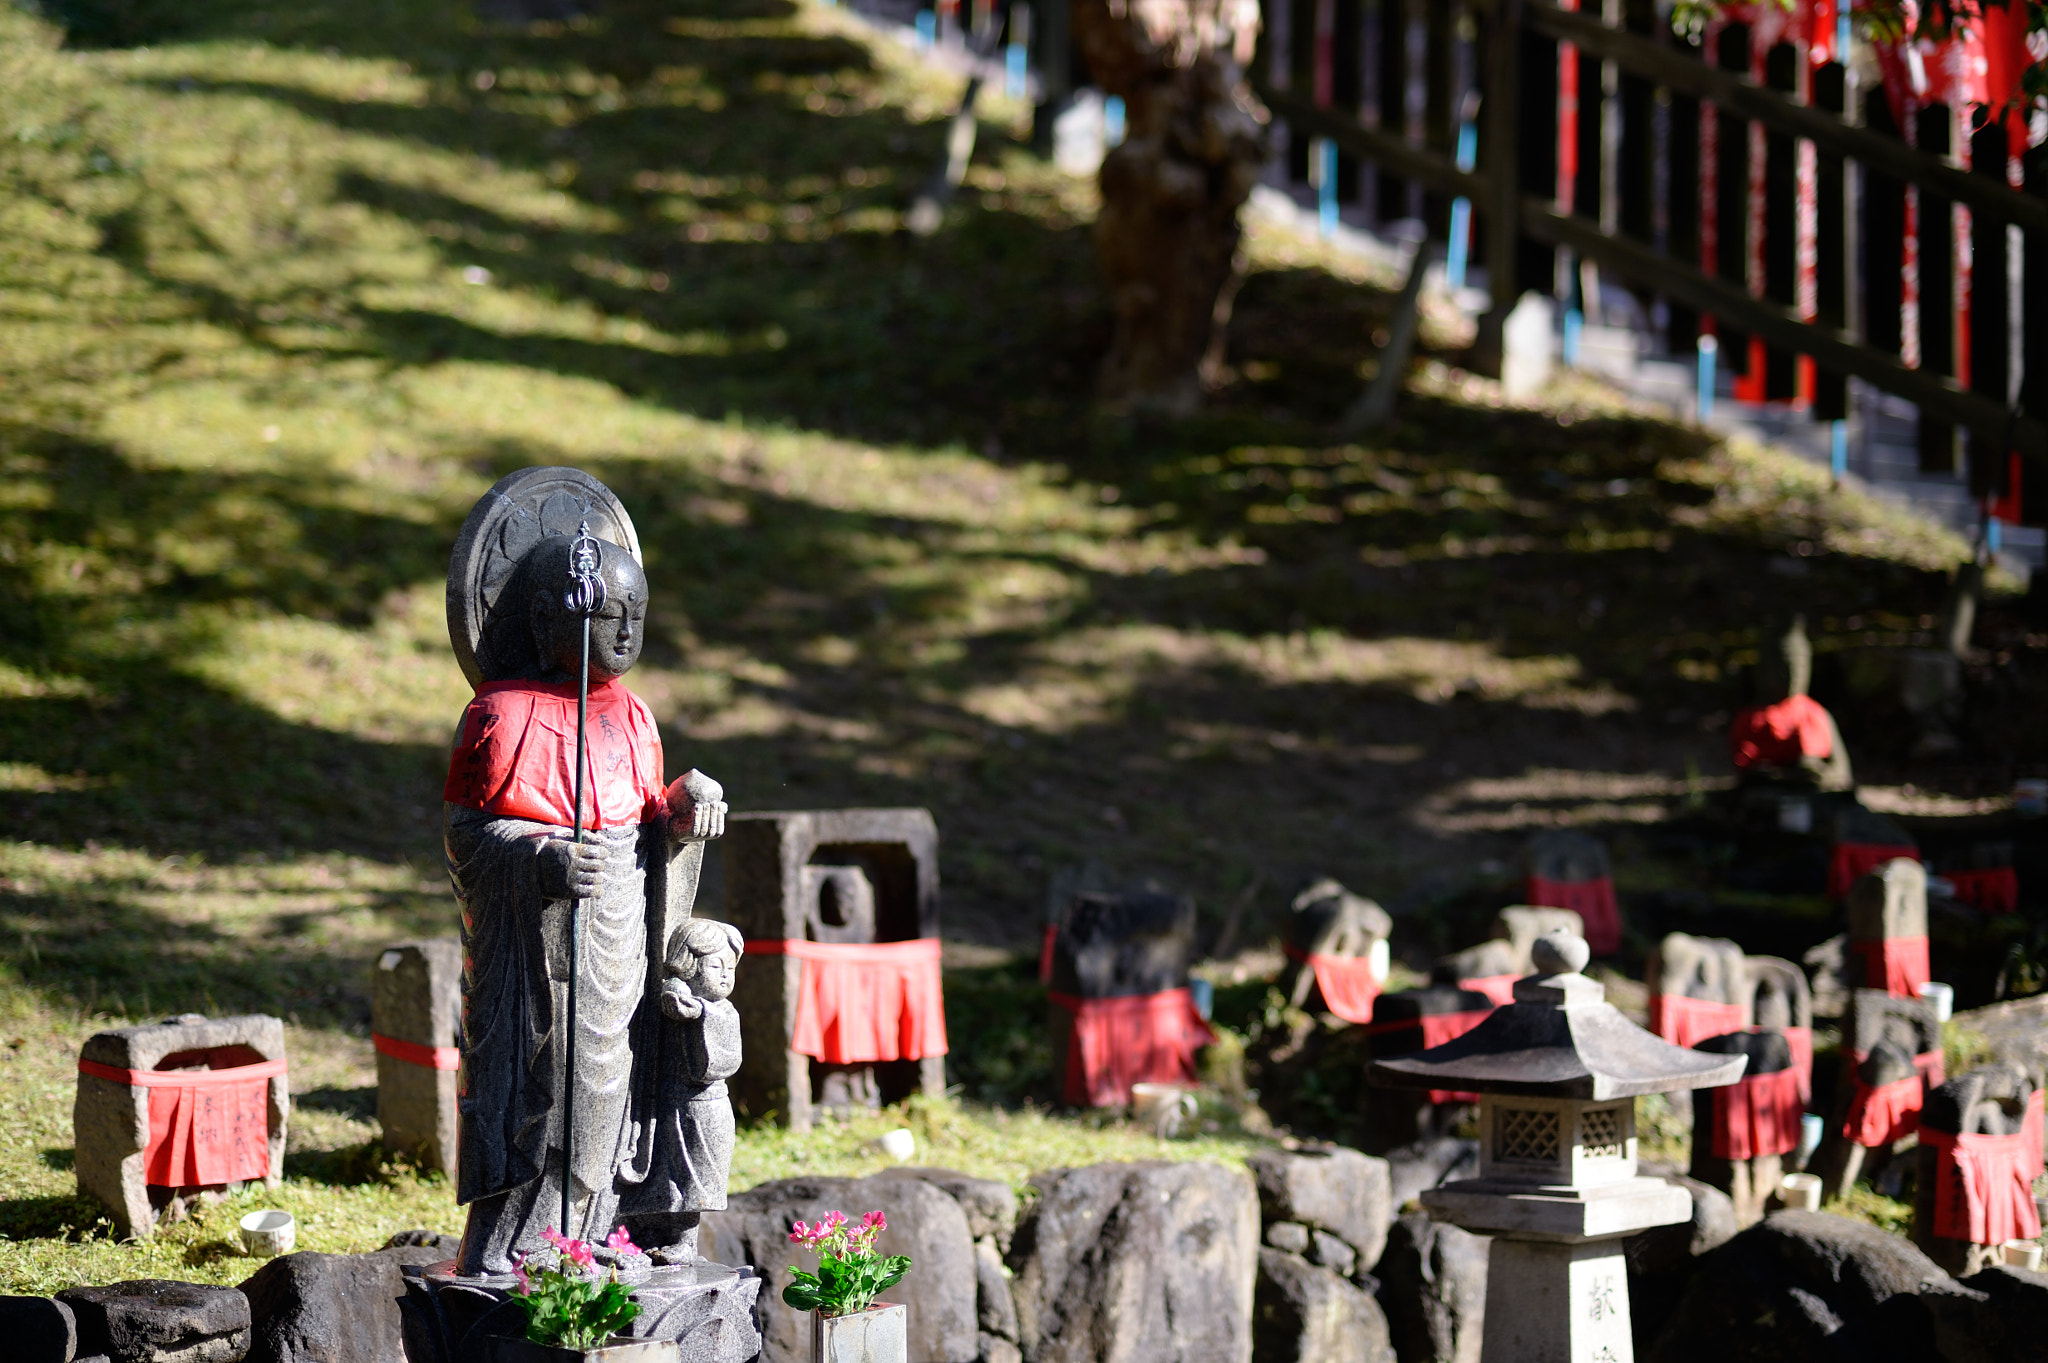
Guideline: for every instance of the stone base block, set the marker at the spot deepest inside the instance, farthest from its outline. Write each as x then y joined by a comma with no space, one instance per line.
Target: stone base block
706,1309
1557,1303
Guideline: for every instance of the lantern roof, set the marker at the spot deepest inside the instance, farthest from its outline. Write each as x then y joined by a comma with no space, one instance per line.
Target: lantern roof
1560,1038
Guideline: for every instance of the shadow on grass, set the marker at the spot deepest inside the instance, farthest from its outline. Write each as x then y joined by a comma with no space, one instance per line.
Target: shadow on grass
359,1103
62,1217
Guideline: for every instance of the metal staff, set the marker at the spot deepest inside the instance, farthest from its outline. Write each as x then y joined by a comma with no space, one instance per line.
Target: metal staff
585,598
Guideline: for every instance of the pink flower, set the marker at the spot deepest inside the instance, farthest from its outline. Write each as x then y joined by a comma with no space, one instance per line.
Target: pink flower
519,1270
578,1253
555,1238
832,1222
875,1221
800,1234
621,1241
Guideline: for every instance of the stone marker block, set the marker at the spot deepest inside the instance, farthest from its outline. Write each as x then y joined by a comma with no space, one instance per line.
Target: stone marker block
38,1330
1113,946
110,1121
1890,902
331,1308
840,875
152,1320
416,1000
1989,1101
1326,919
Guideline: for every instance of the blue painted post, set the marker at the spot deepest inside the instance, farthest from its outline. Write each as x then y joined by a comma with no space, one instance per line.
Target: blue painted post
1993,534
1709,349
1460,249
1326,190
1112,122
1017,57
1574,322
927,29
1838,457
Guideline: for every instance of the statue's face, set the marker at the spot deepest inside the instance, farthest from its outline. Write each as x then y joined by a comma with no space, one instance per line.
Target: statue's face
616,632
714,975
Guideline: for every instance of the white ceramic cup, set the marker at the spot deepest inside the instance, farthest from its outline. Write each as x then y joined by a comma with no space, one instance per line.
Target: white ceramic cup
1162,1107
1801,1192
1944,999
267,1234
2023,1254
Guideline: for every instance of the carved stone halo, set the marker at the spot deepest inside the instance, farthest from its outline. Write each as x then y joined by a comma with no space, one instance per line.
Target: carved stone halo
487,628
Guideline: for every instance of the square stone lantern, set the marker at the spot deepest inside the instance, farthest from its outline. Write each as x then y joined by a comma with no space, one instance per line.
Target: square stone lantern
1557,1073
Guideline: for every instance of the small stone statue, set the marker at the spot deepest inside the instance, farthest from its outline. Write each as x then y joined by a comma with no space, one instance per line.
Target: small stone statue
1788,738
693,1139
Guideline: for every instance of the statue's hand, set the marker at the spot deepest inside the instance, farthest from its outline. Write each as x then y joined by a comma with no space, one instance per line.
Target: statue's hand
697,807
570,870
679,1003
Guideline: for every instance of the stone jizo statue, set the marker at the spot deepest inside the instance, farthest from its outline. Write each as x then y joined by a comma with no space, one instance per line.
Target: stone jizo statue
558,927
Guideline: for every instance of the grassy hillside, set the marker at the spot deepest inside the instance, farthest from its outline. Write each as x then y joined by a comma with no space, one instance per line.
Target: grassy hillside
284,288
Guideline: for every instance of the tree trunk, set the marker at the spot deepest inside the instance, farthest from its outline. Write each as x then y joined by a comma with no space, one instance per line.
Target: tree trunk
1167,235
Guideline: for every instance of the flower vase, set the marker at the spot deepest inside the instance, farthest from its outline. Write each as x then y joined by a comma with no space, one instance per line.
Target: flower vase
619,1350
880,1334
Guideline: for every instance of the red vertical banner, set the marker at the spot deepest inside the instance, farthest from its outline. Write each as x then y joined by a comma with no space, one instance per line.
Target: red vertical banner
1750,383
1325,76
1814,25
1567,120
1710,175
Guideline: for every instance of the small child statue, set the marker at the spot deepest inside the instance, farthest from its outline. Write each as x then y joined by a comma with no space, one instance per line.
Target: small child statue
693,1138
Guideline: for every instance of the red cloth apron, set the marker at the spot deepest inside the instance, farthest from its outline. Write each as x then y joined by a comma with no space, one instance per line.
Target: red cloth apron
1438,1028
1983,1189
206,1127
1684,1021
1137,1039
1499,988
859,1002
1800,1039
1996,890
1757,1116
516,756
1885,1113
1849,862
413,1053
1591,900
1897,965
1778,735
1346,983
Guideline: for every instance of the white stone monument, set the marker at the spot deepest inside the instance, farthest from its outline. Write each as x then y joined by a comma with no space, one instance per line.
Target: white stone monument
1557,1072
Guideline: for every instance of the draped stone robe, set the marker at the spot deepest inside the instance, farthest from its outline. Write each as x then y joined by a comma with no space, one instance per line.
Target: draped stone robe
513,1097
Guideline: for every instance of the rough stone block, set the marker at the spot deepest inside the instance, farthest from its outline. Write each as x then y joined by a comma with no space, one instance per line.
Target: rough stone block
995,1310
1999,1316
332,1308
941,1289
779,870
1117,1263
1433,1290
1328,1188
1120,945
1798,1287
110,1121
151,1320
990,1204
38,1329
1305,1314
416,998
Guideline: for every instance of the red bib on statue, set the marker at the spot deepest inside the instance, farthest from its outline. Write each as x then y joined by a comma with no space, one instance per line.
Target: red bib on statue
516,755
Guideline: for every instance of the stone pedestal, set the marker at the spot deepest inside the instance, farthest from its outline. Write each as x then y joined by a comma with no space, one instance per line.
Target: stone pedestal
110,1120
840,875
416,1002
706,1309
1556,1303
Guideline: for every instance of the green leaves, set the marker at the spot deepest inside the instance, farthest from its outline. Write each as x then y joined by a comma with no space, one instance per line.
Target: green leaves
843,1286
574,1312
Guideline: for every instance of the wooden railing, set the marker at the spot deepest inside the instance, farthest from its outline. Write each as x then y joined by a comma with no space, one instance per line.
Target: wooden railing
1317,74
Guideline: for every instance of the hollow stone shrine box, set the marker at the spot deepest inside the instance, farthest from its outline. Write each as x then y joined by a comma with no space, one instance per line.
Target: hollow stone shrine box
415,1025
1557,1072
175,1111
839,990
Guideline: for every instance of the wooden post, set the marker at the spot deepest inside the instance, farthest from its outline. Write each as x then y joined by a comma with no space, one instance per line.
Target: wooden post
1503,206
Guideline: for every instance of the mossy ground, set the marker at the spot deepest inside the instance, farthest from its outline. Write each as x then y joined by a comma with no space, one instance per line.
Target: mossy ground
284,288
